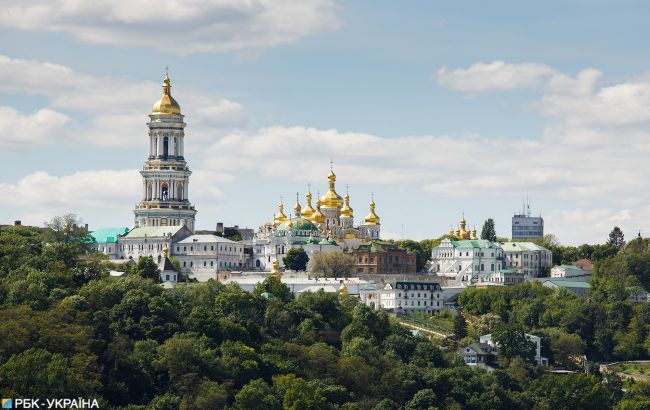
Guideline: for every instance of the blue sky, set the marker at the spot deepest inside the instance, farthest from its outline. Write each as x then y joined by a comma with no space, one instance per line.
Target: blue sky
438,108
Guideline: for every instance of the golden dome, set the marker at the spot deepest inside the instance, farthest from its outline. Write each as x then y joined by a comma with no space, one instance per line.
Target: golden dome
308,211
346,210
167,104
280,216
317,217
372,218
331,199
474,234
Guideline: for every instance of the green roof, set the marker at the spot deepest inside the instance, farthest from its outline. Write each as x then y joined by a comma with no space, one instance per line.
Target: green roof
104,235
297,224
154,231
570,267
474,243
570,284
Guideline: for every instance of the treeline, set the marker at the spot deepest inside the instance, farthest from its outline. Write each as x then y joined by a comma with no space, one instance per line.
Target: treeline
68,329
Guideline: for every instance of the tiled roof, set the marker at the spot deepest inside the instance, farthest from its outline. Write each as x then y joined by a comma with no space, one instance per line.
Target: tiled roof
205,238
154,231
474,243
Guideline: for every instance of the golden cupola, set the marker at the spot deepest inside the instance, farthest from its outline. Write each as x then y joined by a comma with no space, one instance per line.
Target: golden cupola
307,211
346,211
372,218
280,216
297,208
317,217
331,199
167,104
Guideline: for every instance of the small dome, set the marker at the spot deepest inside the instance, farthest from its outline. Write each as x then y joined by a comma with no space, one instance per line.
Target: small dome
297,224
167,104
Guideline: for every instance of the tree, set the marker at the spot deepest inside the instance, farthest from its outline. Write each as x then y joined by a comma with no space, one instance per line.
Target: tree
511,342
488,233
296,259
460,326
567,350
147,268
332,264
616,237
257,395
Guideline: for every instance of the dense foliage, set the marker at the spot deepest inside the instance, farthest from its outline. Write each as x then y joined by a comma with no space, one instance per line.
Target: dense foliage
67,329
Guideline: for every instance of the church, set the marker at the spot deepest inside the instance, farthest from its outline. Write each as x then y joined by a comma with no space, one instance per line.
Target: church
329,227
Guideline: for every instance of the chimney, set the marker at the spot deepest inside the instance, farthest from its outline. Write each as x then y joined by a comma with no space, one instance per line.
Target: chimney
17,223
220,227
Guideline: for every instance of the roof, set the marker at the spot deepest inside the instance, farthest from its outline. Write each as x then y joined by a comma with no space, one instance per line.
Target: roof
154,231
379,246
297,224
205,238
521,247
570,268
103,235
167,265
324,288
585,264
568,284
479,348
474,243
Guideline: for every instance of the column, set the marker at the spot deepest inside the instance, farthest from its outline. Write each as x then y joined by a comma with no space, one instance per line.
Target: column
144,189
159,150
181,147
186,190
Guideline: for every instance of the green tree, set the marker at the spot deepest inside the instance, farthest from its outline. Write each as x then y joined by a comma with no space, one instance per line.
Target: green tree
488,232
511,342
147,268
616,237
460,325
257,394
296,259
331,264
567,349
570,391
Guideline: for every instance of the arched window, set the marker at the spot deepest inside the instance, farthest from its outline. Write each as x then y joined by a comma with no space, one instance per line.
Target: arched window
176,146
165,147
165,192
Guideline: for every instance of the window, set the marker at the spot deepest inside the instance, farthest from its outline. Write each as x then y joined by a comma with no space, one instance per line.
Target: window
166,277
184,264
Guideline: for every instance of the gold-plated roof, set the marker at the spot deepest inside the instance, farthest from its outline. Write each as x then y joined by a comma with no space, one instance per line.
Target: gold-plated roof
317,217
307,211
347,211
372,218
297,208
167,104
331,199
280,216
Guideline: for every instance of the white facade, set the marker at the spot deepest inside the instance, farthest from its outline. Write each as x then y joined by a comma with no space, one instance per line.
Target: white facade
297,282
568,271
466,261
404,296
150,241
527,257
203,256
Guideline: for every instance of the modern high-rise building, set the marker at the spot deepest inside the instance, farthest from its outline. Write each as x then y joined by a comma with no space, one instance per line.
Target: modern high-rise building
165,175
525,226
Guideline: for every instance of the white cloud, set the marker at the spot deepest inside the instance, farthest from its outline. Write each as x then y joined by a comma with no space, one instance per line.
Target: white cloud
110,111
497,75
178,26
105,197
19,130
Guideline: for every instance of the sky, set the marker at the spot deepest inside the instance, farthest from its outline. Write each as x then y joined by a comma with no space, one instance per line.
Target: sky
439,109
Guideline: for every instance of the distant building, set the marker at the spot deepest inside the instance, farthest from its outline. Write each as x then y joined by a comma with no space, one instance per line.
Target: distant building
479,354
506,277
527,257
466,261
151,241
403,296
525,226
383,257
580,288
568,271
203,256
487,339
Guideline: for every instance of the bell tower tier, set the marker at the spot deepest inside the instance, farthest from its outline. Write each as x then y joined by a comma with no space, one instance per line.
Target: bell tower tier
165,175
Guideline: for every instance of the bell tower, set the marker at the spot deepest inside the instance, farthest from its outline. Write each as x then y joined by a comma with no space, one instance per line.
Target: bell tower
165,175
